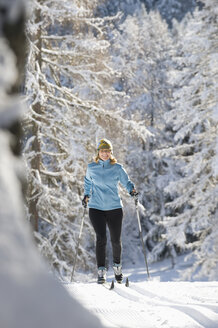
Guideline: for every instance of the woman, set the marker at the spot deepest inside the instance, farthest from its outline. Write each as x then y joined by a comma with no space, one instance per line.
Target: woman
105,206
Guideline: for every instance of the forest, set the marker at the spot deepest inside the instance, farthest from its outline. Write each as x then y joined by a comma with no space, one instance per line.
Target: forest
142,74
121,70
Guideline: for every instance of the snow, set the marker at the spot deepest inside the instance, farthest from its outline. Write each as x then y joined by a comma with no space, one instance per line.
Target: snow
162,301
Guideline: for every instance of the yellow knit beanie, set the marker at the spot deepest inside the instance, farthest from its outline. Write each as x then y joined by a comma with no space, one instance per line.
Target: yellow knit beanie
105,144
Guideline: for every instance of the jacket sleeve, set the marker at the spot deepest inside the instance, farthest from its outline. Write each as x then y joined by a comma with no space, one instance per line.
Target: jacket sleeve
87,183
125,181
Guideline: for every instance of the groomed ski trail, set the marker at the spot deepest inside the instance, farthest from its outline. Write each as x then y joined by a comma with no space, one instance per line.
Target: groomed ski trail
151,304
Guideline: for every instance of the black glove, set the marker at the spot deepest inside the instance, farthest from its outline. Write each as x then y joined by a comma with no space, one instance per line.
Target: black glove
85,201
135,195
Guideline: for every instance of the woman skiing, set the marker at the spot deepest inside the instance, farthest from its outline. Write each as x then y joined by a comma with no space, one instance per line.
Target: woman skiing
105,206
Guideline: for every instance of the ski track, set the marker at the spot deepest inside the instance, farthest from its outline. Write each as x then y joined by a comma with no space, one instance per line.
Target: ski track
151,304
200,313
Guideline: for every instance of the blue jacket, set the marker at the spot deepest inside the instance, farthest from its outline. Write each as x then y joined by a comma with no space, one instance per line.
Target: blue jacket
101,185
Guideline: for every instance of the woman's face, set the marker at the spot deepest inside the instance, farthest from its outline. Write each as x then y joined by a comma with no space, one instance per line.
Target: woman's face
104,154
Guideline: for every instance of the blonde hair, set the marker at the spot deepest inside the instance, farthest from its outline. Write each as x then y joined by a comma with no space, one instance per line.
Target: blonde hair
112,159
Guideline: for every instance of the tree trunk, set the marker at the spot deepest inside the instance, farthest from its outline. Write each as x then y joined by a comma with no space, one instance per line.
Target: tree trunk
36,147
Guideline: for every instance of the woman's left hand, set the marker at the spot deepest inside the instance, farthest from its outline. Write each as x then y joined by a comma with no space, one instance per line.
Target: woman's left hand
134,193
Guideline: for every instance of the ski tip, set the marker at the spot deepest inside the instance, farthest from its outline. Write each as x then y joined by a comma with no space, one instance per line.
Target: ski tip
112,285
127,282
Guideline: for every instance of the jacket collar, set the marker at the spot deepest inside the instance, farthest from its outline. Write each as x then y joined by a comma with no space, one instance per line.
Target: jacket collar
104,163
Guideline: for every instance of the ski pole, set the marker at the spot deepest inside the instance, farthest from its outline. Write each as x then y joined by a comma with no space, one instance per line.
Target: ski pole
140,232
78,243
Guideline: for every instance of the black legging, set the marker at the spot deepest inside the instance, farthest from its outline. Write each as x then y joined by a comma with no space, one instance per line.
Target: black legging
113,219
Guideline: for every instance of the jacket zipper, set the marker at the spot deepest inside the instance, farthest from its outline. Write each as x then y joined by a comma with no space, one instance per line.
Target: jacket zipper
103,182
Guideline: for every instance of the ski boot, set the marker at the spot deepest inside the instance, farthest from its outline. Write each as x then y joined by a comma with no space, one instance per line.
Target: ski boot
118,272
101,275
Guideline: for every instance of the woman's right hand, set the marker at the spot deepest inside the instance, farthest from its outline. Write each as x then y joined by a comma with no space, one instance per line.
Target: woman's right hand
85,201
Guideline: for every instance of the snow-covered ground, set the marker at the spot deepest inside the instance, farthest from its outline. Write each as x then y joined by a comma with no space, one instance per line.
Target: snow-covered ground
163,301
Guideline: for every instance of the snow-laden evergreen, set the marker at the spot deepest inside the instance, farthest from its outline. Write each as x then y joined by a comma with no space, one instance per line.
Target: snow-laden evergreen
191,219
169,10
59,123
141,56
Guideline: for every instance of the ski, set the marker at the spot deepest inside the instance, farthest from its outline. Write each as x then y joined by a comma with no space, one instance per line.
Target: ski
112,285
127,282
108,285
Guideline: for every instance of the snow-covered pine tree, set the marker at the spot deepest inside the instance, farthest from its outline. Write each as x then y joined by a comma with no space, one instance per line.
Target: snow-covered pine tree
191,215
172,9
140,49
168,9
64,69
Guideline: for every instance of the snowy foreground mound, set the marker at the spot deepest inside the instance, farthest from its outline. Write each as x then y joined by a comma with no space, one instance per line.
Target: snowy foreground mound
150,304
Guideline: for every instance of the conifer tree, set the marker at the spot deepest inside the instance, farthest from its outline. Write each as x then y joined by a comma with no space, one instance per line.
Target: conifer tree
192,210
62,95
